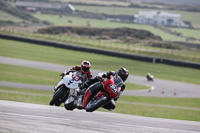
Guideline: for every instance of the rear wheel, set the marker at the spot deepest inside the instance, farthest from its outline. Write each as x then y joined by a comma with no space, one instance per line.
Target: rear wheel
57,98
95,104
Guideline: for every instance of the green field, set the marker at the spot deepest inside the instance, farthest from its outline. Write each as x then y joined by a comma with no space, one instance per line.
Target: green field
188,32
28,75
122,3
7,17
76,21
109,10
68,57
158,112
25,95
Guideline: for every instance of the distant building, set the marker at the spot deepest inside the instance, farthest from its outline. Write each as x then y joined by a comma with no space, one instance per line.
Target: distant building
159,18
44,6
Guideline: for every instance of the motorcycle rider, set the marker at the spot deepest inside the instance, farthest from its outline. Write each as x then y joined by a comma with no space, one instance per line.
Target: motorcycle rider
83,71
149,77
95,88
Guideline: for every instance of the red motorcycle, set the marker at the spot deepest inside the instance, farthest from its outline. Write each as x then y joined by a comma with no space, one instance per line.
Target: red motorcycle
97,95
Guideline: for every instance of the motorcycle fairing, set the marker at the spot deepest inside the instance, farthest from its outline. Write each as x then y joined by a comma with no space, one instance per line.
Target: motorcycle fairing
70,81
113,86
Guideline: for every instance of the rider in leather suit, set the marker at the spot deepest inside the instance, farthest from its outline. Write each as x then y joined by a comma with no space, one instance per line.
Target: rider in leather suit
97,86
83,71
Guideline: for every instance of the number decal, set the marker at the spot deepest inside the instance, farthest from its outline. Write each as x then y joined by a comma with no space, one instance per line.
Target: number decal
75,77
113,88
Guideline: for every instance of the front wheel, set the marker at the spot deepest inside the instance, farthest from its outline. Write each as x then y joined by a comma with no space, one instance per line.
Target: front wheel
57,97
95,104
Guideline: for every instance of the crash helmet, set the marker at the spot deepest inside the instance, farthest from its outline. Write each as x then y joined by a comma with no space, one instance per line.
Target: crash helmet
85,66
123,73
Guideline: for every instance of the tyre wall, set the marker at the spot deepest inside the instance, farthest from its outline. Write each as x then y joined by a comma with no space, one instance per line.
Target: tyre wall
180,63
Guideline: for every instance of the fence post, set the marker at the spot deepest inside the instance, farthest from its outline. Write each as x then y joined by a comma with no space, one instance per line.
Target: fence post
154,60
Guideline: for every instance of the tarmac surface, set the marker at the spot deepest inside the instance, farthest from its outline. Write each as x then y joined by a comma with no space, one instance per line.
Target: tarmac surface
17,117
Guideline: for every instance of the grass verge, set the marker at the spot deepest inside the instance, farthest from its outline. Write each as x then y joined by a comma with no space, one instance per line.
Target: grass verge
26,75
158,112
183,102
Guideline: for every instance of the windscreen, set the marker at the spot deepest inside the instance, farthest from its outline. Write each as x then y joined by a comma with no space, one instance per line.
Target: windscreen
118,81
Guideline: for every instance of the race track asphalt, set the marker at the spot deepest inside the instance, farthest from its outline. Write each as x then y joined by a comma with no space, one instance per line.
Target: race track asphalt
17,117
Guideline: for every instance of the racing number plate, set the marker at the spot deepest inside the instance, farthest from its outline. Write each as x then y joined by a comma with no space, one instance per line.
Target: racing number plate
75,77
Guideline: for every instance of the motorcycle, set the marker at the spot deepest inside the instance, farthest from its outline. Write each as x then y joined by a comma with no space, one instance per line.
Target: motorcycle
66,87
111,90
150,77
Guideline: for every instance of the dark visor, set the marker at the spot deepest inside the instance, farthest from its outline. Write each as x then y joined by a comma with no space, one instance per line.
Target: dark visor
118,81
85,69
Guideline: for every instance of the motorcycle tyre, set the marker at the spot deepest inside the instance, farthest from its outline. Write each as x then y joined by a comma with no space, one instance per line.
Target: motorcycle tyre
94,105
60,102
69,105
56,97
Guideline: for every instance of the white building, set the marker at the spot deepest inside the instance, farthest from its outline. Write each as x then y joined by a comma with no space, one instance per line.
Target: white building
159,18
